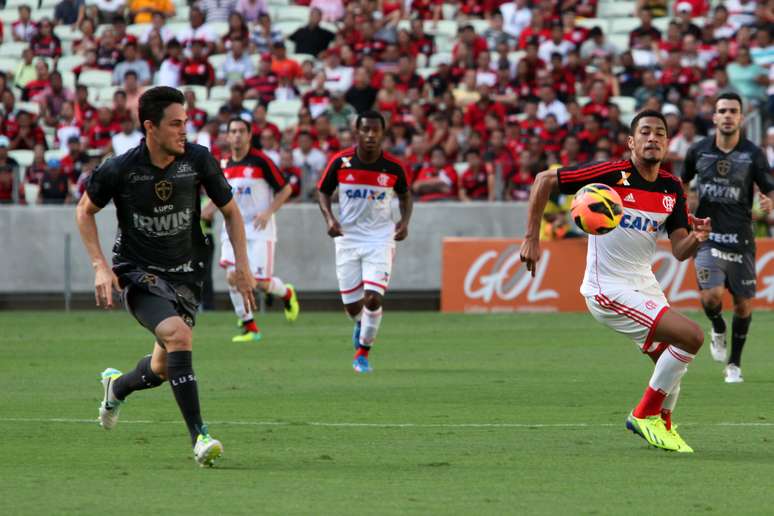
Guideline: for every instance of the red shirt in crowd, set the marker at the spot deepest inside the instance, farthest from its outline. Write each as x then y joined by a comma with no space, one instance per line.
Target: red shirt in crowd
197,117
449,177
198,72
99,135
476,182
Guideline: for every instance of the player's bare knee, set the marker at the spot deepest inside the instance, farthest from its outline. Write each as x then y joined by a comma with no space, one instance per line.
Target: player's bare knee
353,309
693,338
372,300
175,336
743,309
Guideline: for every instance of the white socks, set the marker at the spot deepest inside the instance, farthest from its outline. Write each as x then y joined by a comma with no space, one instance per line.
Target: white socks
369,326
669,370
671,400
277,287
239,304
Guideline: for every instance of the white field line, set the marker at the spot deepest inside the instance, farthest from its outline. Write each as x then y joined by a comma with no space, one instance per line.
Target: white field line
366,425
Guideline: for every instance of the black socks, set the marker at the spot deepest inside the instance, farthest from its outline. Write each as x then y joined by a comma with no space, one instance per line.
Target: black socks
183,382
141,377
715,315
739,328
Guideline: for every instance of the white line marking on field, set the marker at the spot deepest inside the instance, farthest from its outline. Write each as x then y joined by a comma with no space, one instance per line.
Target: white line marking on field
366,425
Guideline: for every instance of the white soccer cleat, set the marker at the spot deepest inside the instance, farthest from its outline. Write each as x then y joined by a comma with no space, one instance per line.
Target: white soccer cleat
718,347
110,406
207,450
733,374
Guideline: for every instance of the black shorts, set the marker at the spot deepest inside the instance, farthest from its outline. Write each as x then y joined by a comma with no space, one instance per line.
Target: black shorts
730,269
151,299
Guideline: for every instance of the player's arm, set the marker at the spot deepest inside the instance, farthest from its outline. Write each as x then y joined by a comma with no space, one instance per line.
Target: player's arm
405,204
282,192
764,180
685,243
104,279
328,183
545,183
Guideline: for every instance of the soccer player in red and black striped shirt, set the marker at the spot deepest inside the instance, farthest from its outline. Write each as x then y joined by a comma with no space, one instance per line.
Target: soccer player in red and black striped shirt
620,288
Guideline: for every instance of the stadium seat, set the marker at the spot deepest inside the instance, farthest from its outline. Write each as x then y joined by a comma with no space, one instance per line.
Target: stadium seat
220,28
8,64
448,11
662,23
13,48
217,60
284,107
440,57
211,107
67,63
624,25
590,23
250,104
8,16
200,91
220,93
291,13
105,93
446,27
460,167
23,157
14,4
479,25
625,104
425,72
137,29
282,122
66,35
444,44
181,12
39,14
29,107
31,190
620,41
96,78
617,9
49,3
288,27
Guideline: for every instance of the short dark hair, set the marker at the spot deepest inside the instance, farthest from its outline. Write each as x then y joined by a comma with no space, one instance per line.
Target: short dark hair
729,95
154,101
645,114
238,119
372,115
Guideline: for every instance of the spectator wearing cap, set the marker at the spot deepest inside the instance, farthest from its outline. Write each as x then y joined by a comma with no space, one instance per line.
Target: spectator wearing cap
361,95
197,30
24,28
237,65
478,180
197,118
557,44
69,12
141,11
128,138
310,160
311,38
747,77
281,64
75,159
683,15
438,181
264,36
45,43
54,186
9,170
597,45
196,69
263,85
172,66
134,63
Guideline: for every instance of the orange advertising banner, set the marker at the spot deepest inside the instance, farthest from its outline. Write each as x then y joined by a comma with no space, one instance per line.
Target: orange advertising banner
487,276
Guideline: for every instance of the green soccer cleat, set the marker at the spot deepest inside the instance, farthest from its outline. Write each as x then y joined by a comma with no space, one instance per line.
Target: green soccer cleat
682,445
206,450
110,406
249,336
291,307
653,430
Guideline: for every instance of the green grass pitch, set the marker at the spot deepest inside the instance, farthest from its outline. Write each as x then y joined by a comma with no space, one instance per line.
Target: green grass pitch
501,414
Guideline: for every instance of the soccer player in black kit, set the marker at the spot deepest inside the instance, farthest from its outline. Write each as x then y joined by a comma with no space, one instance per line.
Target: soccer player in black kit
726,167
158,256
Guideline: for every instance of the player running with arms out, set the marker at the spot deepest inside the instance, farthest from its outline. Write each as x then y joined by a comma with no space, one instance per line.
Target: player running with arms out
259,190
725,168
620,288
365,236
158,260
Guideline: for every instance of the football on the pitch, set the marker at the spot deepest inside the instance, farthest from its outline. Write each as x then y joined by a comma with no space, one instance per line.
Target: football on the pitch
597,209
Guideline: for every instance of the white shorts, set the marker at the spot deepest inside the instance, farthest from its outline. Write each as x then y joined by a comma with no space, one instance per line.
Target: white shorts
363,268
632,313
260,254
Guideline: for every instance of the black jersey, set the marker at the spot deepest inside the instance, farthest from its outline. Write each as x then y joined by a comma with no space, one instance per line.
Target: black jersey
724,183
158,209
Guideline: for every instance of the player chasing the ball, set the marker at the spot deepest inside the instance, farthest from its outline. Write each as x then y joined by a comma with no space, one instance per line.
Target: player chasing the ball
620,288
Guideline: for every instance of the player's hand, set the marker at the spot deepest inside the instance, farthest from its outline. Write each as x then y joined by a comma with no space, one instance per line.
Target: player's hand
401,231
766,203
104,282
245,284
702,227
261,220
334,228
530,254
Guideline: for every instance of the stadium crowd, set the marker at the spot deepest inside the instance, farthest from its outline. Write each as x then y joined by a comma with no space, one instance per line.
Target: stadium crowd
479,95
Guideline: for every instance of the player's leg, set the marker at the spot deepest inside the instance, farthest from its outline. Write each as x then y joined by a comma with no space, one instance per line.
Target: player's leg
711,278
377,266
741,283
349,274
250,330
273,285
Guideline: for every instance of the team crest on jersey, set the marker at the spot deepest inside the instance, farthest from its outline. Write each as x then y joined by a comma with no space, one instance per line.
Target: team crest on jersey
383,179
703,275
624,178
346,162
650,305
723,167
669,203
148,279
163,190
